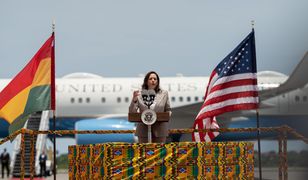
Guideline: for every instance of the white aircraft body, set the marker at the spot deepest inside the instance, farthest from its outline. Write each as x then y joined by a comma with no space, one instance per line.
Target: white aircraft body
80,96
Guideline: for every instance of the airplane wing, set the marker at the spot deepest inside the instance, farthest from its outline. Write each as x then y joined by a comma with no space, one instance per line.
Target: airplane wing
184,116
296,80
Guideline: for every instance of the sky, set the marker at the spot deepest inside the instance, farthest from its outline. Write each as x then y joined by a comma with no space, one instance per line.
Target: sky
126,38
121,38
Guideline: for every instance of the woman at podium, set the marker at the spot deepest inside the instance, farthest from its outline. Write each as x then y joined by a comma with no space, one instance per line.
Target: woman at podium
159,102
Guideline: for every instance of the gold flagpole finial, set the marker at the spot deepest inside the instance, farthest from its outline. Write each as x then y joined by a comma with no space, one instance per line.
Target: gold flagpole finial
53,25
252,24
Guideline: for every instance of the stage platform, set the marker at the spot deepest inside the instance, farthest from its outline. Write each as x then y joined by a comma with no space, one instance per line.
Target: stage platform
184,160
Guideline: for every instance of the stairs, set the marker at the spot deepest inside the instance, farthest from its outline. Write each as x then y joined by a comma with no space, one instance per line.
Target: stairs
33,124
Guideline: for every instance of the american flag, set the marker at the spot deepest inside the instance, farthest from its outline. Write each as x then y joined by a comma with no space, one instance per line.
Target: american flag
232,86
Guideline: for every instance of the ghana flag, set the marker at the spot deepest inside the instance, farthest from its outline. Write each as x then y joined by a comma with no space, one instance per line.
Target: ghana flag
32,90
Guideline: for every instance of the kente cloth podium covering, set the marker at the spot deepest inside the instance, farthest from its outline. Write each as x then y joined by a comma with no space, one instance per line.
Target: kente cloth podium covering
184,160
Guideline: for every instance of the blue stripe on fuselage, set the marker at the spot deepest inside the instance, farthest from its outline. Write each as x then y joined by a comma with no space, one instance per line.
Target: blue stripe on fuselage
299,123
61,124
4,128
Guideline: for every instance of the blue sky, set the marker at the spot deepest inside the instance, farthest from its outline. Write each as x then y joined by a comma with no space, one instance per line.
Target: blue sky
126,38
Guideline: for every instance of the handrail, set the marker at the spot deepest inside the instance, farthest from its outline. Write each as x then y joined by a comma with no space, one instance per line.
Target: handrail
178,131
282,133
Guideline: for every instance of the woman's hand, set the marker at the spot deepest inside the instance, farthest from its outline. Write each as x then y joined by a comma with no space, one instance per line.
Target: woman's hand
135,95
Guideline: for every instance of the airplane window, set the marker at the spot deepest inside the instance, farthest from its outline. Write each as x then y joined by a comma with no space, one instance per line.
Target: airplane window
296,98
172,98
118,99
80,100
126,99
103,99
188,99
305,98
88,100
72,100
196,98
180,98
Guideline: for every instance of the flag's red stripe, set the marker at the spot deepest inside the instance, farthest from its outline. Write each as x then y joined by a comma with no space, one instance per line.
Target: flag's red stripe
226,97
234,83
201,135
20,82
208,85
24,78
211,135
200,126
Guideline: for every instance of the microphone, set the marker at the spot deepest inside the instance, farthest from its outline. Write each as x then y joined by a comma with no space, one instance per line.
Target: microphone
148,97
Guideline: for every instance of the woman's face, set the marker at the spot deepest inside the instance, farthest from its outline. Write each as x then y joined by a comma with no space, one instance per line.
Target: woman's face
152,81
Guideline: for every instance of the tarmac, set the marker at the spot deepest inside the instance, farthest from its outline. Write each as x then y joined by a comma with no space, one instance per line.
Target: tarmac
296,173
267,173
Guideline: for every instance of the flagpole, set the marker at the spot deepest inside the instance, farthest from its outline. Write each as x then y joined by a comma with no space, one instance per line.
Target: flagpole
258,121
54,121
54,147
259,144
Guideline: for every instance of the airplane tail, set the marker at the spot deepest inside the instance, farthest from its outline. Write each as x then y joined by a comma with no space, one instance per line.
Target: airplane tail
296,80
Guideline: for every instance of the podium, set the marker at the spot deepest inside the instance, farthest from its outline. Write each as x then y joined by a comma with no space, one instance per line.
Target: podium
149,119
161,117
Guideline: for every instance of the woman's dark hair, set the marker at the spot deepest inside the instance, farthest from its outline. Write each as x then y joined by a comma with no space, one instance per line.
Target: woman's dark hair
146,78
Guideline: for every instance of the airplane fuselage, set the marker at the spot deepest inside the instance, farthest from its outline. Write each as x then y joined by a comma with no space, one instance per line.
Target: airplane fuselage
105,96
84,98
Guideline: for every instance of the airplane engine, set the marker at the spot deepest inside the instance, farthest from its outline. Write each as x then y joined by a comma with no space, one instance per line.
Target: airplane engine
104,124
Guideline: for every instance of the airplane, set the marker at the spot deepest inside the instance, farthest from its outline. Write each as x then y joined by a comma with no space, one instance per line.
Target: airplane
86,101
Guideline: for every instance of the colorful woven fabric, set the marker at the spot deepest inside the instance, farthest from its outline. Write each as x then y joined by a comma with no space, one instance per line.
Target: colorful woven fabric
184,160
